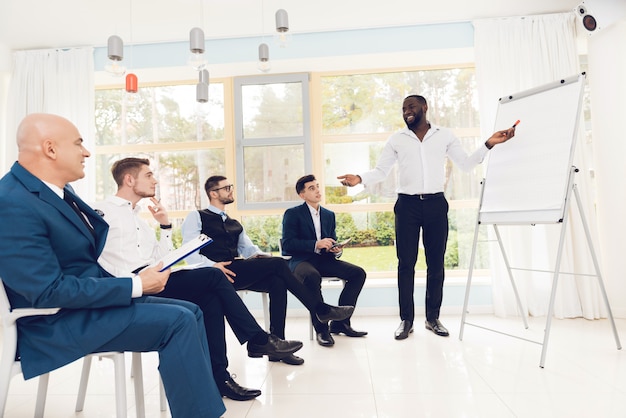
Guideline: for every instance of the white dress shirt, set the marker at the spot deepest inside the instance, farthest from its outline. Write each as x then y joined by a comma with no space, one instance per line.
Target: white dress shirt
421,163
317,223
131,243
192,227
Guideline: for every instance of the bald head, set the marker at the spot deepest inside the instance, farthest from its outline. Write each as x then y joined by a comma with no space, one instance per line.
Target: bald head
51,148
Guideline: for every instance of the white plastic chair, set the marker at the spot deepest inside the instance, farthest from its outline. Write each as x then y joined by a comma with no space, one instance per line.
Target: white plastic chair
9,366
120,382
266,306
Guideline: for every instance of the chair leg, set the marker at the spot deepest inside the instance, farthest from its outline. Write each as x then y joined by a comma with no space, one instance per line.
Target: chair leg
266,311
42,391
138,378
5,379
120,384
163,398
82,388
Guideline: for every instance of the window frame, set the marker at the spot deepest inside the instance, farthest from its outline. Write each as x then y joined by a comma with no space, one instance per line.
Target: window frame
241,143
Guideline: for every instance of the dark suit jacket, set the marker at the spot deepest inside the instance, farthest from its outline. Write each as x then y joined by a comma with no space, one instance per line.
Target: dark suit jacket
299,232
48,258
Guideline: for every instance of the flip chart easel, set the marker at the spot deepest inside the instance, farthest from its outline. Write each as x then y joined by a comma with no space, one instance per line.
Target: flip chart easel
530,180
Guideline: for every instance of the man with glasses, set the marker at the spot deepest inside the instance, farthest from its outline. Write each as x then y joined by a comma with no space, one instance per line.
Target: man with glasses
247,266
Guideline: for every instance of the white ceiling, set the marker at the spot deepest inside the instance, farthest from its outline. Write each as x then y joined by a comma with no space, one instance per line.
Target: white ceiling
38,24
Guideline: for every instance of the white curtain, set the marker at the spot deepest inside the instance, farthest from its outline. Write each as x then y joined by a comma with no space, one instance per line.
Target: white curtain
512,55
59,81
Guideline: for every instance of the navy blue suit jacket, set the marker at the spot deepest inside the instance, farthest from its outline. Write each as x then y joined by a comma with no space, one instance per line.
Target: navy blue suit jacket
48,258
299,232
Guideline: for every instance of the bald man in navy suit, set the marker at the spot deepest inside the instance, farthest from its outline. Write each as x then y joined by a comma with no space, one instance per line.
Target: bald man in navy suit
49,246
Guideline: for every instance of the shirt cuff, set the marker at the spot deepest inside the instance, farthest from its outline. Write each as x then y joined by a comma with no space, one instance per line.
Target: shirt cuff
137,286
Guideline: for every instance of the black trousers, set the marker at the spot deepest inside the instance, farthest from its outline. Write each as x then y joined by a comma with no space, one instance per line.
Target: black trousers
212,292
311,272
272,275
430,216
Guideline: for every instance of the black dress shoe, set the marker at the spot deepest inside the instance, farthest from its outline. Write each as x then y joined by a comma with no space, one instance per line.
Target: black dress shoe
436,327
343,328
290,359
325,339
335,313
274,347
231,389
403,331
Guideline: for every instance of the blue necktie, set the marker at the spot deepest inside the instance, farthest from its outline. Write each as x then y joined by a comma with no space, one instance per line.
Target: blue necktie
70,201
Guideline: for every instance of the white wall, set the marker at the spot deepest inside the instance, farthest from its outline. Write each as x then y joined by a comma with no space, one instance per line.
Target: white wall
5,73
607,78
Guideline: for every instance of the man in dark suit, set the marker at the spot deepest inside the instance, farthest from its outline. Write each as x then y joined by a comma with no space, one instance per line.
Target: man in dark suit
131,244
310,239
48,258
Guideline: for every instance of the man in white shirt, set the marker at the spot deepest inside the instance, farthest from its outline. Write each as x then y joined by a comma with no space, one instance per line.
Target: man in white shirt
420,151
131,244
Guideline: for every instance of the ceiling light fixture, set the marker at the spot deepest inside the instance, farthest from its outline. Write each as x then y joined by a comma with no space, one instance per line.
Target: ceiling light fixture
202,88
264,58
115,52
197,59
282,28
132,84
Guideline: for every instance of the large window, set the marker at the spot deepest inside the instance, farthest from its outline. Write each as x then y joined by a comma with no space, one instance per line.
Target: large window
265,132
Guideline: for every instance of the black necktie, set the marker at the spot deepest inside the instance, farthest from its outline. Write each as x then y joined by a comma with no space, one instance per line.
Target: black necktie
70,201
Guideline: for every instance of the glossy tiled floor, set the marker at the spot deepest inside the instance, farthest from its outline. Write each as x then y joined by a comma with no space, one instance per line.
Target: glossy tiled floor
485,375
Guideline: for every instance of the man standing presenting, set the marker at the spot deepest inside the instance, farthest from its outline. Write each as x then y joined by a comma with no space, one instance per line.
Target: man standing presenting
420,151
309,237
132,244
48,258
257,271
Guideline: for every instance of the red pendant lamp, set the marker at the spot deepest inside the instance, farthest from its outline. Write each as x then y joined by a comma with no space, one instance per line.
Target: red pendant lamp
131,83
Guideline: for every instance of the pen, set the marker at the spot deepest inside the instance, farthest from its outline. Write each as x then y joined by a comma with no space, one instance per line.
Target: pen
515,124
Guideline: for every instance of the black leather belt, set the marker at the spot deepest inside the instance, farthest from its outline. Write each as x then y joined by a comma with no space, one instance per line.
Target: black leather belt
425,196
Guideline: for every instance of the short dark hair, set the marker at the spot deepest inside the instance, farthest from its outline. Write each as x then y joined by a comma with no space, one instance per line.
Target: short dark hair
302,181
125,166
419,98
211,183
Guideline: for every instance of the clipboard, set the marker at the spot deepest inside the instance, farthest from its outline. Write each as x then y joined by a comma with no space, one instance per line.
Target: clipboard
183,251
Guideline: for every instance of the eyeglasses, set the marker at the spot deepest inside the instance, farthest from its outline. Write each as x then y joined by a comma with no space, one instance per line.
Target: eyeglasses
228,188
